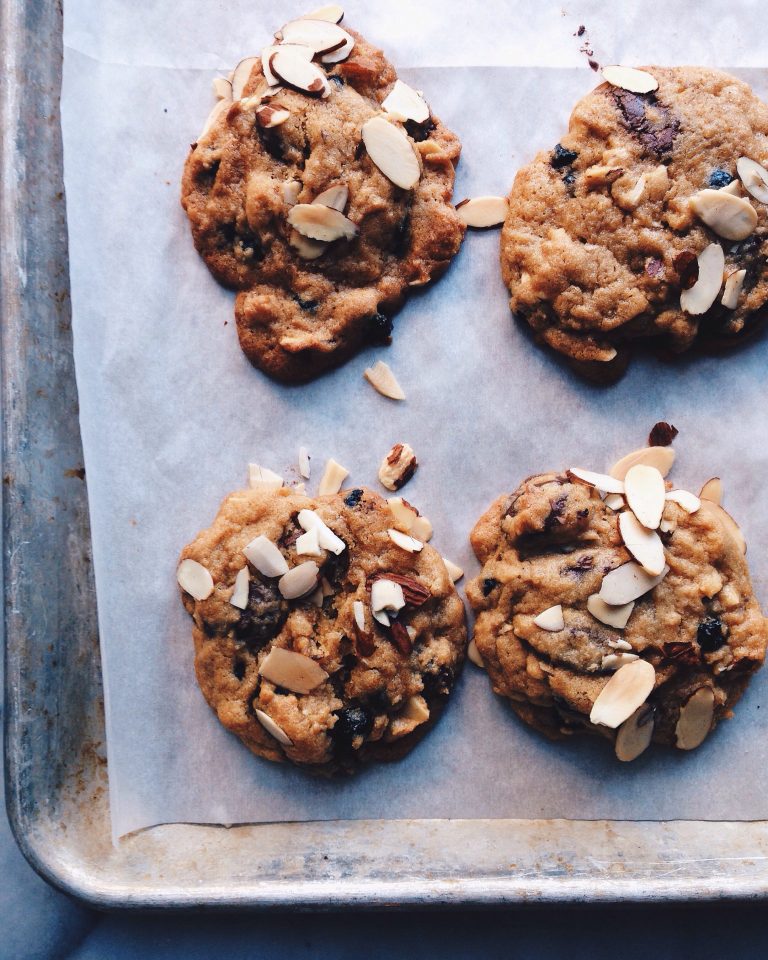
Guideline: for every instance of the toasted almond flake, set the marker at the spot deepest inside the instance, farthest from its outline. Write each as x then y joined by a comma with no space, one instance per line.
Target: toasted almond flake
645,493
304,469
712,491
222,88
220,109
336,56
239,596
661,458
600,176
307,249
700,297
322,36
358,608
695,720
398,466
268,116
644,545
416,709
734,284
382,380
299,580
392,152
261,478
730,525
403,514
618,643
688,501
332,12
402,540
733,187
333,477
294,70
241,75
630,78
483,212
550,619
318,222
291,191
754,176
600,480
308,544
612,616
627,583
615,501
454,570
422,529
625,691
334,197
731,217
386,597
635,195
272,728
431,151
635,734
613,661
194,579
291,670
309,520
667,526
404,103
266,557
268,52
473,655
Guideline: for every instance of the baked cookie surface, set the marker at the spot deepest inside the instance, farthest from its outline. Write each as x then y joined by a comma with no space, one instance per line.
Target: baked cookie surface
307,301
676,649
605,232
301,670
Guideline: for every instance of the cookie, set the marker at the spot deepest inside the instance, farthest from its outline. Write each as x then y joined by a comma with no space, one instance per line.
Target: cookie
321,207
320,640
648,220
588,621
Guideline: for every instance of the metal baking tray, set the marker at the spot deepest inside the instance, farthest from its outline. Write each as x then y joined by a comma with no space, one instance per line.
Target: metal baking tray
56,777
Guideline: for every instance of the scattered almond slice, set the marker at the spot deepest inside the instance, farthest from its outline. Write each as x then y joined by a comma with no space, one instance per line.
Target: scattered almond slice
267,116
308,544
668,526
222,89
382,380
635,195
483,212
321,36
731,217
299,580
291,670
291,190
398,466
239,596
304,469
272,728
754,177
700,297
551,619
614,501
454,570
734,284
712,491
473,654
334,197
626,690
661,458
221,108
306,249
630,78
612,616
194,579
333,477
635,734
627,583
600,480
614,661
296,71
403,514
731,526
422,529
416,709
318,222
618,643
695,720
688,501
309,520
268,52
645,492
600,176
733,187
261,478
358,609
402,540
644,545
332,12
386,597
240,76
404,103
266,557
336,56
392,152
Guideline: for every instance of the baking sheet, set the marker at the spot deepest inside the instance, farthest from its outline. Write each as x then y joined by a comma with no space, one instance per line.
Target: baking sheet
171,411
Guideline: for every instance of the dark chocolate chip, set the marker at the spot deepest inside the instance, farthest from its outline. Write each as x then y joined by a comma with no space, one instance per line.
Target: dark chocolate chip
352,723
719,178
238,667
419,131
309,306
662,434
556,510
562,157
379,328
339,81
489,585
686,265
335,567
710,634
353,497
264,616
438,683
569,179
655,131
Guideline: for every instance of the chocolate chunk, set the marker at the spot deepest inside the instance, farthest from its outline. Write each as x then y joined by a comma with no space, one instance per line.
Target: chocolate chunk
662,434
238,667
419,131
681,652
399,637
379,328
710,634
353,497
335,567
556,510
489,585
719,178
353,724
561,157
264,616
310,306
438,682
656,131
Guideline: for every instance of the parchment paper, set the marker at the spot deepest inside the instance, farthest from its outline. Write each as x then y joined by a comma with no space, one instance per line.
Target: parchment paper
172,412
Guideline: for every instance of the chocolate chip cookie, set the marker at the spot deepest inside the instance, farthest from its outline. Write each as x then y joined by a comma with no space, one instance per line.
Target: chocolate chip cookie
324,635
615,605
647,221
320,190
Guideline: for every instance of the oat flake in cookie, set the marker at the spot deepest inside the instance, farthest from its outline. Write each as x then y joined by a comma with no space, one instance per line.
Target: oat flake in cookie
320,190
589,621
648,220
318,639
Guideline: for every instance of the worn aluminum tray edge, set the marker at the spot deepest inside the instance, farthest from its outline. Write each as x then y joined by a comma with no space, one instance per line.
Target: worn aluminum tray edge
54,729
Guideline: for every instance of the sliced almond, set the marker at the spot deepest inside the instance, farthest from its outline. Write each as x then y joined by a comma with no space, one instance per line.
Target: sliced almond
386,597
336,56
626,690
712,491
299,580
615,501
304,469
688,501
600,176
318,222
239,596
473,654
635,734
398,466
261,478
612,616
754,177
700,297
627,583
600,480
422,529
404,103
333,477
272,728
268,116
291,670
306,249
322,36
358,608
635,195
334,197
403,514
482,212
291,190
308,544
316,597
416,709
402,540
630,78
294,70
618,643
732,218
733,528
695,720
266,557
454,570
645,492
551,619
268,52
614,661
194,579
222,88
308,520
220,109
661,458
382,379
392,152
734,284
733,187
645,545
332,12
241,75
668,526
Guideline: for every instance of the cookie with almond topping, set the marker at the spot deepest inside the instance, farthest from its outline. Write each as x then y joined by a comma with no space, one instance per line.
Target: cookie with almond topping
321,194
648,221
324,635
588,621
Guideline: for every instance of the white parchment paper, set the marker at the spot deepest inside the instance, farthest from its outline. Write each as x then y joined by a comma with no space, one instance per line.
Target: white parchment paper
171,411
